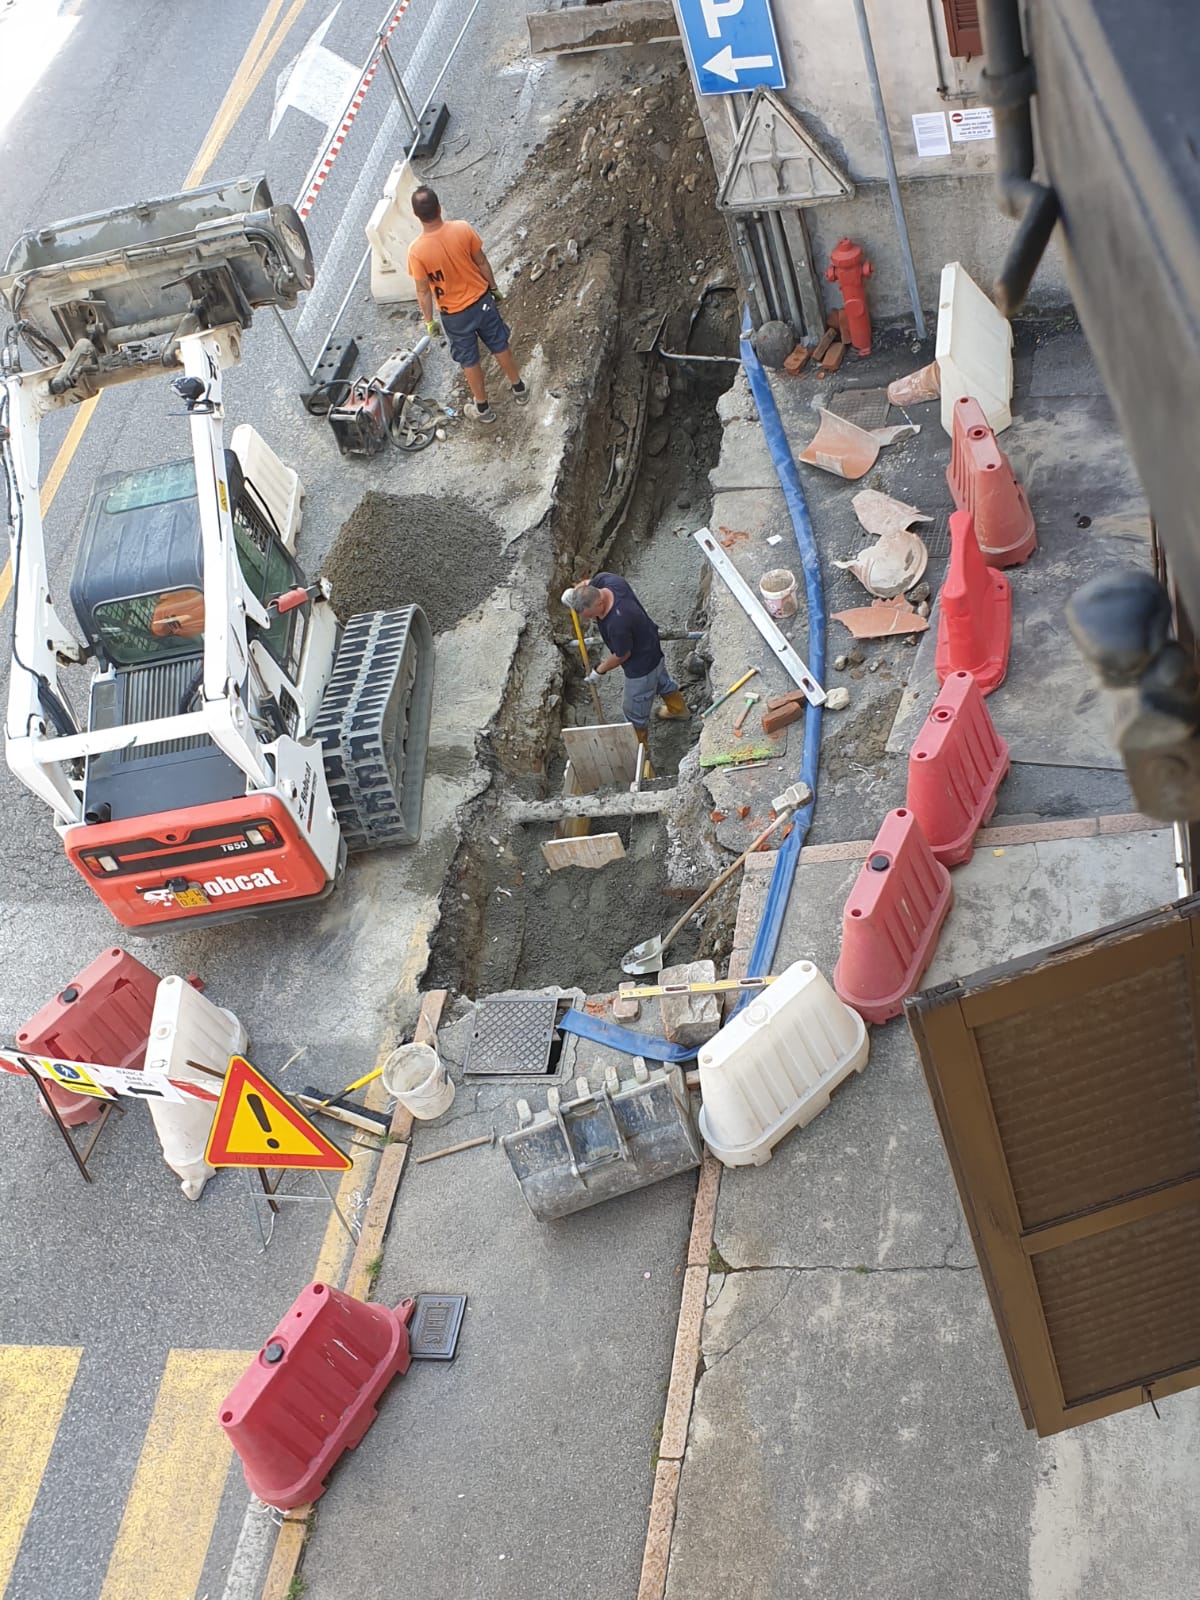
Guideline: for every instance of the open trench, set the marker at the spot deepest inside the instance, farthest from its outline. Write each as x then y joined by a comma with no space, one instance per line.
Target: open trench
633,486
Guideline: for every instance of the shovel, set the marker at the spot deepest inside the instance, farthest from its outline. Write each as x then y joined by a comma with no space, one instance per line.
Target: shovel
648,956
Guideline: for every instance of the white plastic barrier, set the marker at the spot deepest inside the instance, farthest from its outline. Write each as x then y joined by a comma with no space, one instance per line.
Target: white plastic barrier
278,485
187,1027
391,228
775,1065
974,350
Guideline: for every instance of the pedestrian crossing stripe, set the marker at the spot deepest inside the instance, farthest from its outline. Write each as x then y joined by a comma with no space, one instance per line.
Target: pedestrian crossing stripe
35,1382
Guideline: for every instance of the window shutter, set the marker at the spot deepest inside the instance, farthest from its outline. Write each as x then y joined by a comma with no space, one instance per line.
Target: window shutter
962,25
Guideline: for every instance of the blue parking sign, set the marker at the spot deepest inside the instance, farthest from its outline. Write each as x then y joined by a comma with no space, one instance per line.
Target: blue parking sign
732,45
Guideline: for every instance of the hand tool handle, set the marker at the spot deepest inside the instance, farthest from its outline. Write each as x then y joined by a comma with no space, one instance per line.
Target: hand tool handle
453,1149
673,933
587,665
733,689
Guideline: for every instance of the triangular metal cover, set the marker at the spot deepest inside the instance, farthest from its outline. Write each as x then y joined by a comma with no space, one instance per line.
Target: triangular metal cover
777,162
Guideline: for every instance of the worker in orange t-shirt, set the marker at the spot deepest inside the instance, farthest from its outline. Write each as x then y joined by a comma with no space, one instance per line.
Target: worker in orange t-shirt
448,265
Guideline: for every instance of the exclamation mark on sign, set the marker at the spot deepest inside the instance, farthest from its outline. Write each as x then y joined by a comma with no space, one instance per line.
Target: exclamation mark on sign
254,1101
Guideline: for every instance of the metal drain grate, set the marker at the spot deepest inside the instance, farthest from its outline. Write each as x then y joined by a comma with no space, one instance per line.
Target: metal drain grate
512,1036
866,408
436,1324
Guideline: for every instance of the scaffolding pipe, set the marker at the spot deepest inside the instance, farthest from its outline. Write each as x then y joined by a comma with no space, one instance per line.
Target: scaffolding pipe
889,161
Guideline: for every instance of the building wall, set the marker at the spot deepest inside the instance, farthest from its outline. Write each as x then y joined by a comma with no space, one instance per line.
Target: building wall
949,200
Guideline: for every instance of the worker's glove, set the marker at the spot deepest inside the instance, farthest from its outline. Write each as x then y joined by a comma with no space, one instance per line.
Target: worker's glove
434,330
593,676
567,596
498,296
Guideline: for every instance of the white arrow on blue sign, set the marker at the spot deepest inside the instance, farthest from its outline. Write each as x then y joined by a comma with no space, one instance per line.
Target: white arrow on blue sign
732,45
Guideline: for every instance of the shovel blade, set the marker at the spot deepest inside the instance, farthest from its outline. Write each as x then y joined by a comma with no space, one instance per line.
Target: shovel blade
644,957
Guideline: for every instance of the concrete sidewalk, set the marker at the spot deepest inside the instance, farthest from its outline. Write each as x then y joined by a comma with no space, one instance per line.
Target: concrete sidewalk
853,1433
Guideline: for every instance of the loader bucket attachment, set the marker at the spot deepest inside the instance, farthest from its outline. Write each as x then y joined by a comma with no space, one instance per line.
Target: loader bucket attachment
126,280
604,1142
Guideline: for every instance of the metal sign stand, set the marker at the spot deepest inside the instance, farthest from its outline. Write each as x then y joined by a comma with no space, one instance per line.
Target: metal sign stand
271,1194
80,1157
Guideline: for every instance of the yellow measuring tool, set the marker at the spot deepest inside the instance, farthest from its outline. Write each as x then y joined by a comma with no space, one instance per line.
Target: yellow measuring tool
647,991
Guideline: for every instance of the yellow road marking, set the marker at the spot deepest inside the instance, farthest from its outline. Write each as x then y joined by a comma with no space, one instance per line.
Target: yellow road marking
180,1478
35,1381
257,58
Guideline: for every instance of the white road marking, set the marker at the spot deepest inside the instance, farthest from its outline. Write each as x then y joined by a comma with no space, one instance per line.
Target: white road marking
318,82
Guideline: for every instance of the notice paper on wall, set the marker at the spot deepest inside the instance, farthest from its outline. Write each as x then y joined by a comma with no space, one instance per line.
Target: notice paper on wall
929,130
973,122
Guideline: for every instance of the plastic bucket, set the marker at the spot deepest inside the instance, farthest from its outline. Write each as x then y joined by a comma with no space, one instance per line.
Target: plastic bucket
778,590
415,1076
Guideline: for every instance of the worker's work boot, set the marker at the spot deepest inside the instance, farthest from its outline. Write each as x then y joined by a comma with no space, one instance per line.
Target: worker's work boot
673,707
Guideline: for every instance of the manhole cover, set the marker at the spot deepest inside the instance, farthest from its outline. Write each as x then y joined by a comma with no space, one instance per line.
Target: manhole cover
866,408
512,1036
436,1324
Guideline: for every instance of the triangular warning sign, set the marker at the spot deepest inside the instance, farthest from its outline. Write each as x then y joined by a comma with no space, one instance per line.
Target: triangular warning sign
777,162
256,1126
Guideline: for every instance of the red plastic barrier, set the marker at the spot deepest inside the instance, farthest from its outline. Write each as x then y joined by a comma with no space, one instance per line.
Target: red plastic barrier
955,768
983,482
974,613
891,920
102,1015
312,1390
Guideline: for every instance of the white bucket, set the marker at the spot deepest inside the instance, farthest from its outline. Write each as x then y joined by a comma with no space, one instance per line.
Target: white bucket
418,1080
778,590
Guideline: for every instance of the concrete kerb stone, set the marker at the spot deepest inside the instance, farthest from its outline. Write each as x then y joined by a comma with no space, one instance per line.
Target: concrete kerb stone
681,1388
297,1525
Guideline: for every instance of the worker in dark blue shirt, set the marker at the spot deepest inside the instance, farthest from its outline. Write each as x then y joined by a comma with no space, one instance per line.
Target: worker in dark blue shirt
633,644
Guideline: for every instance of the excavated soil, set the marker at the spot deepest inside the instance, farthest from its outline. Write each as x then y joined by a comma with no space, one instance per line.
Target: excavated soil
615,213
440,554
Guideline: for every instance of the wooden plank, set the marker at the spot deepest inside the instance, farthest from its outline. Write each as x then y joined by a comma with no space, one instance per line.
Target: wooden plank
646,803
603,757
590,850
391,1164
293,1531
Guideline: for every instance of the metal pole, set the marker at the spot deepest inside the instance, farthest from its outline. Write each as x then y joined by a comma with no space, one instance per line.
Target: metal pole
404,102
786,275
337,1209
295,348
757,234
437,83
889,161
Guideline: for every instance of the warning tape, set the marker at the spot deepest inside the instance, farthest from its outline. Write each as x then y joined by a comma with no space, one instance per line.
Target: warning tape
330,153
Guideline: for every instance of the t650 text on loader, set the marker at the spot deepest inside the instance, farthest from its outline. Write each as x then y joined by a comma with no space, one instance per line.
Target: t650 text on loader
237,741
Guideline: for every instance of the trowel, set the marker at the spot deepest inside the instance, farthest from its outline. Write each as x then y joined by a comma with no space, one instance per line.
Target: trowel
648,956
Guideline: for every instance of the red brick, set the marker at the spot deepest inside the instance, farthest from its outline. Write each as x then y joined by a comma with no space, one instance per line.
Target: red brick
782,717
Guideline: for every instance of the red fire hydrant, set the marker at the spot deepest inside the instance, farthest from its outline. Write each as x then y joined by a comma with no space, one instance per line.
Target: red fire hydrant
848,269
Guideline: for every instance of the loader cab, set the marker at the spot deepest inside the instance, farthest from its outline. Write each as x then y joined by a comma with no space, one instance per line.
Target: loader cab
138,596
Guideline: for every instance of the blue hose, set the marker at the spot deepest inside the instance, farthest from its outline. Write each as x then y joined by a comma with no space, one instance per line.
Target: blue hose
786,861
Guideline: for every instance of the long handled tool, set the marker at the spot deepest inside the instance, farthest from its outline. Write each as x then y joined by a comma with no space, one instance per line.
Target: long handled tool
647,956
587,665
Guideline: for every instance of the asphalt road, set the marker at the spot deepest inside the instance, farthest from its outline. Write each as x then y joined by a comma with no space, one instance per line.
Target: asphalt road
105,1284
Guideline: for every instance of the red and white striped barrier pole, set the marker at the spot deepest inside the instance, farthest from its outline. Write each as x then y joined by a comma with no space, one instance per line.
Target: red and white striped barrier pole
329,155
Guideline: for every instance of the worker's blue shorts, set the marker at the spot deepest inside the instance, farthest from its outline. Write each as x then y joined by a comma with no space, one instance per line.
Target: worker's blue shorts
638,698
465,328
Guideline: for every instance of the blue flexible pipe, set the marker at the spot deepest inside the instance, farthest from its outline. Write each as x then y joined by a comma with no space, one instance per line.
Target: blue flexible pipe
786,861
766,940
